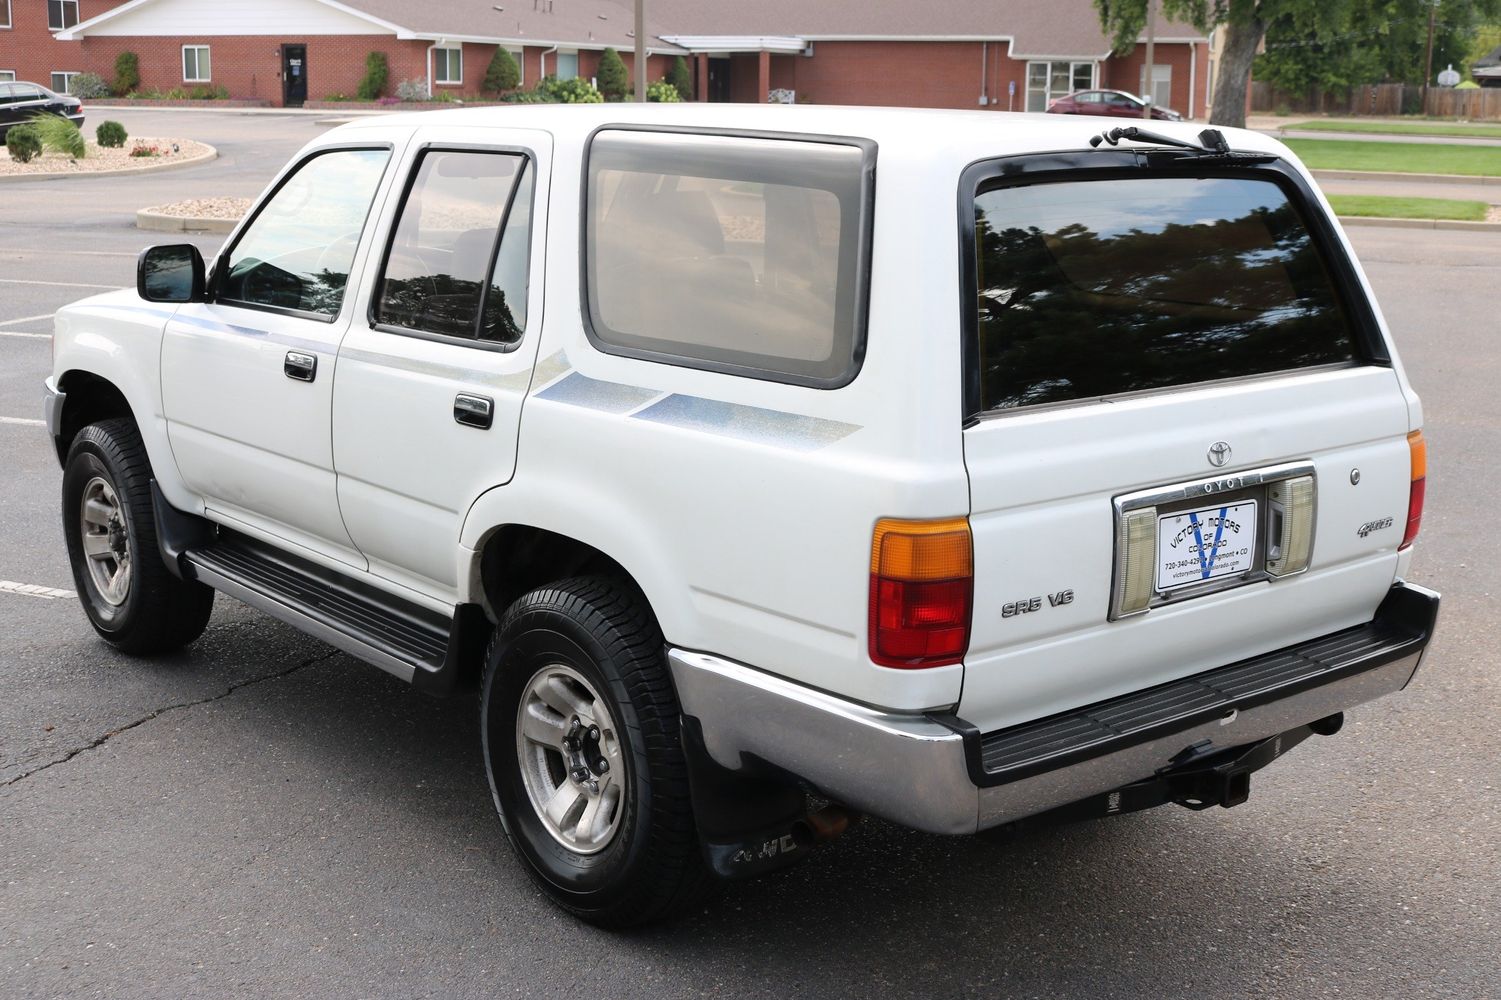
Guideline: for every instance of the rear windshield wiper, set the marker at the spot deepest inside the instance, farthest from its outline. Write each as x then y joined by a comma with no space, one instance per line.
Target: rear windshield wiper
1214,144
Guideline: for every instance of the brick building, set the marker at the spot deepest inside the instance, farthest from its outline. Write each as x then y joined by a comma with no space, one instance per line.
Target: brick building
1002,54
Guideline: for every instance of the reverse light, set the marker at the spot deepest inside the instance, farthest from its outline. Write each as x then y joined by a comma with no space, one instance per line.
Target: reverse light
1291,541
1417,490
1135,558
921,592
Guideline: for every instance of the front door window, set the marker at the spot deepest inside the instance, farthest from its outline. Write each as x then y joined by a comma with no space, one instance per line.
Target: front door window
1048,81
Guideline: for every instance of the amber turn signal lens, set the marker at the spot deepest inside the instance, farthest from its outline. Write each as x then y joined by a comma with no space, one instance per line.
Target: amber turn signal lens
921,592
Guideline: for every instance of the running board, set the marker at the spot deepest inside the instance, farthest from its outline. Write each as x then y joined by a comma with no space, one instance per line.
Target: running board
426,648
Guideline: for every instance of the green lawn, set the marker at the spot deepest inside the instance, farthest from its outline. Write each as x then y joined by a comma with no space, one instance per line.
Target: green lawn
1442,129
1407,208
1398,157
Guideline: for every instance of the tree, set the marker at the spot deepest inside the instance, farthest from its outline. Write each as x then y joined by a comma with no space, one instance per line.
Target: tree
680,77
127,73
377,72
1246,24
613,79
1386,43
503,74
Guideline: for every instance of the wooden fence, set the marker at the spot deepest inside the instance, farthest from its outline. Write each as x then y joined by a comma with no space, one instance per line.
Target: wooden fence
1384,100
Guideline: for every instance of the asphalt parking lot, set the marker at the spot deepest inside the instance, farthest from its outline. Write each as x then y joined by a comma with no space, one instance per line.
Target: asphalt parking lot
261,816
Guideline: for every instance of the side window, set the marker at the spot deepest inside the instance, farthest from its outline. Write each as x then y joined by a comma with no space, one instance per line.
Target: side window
297,252
729,253
448,271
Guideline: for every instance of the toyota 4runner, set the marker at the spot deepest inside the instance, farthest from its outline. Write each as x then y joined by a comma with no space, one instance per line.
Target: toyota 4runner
952,468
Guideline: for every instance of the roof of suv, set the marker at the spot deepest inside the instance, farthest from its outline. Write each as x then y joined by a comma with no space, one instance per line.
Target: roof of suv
969,134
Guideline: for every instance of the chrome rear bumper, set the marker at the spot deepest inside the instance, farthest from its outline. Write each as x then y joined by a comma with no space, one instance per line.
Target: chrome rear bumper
937,774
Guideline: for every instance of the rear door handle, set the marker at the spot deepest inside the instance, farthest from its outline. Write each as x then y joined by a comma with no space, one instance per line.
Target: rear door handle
302,367
473,411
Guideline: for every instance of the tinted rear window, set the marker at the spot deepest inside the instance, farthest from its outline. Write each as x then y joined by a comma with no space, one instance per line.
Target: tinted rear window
1094,288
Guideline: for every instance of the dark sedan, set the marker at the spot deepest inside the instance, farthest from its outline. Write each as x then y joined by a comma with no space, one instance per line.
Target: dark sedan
1112,103
21,101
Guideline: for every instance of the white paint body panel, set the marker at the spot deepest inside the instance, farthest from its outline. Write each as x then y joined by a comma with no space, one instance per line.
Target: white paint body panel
751,536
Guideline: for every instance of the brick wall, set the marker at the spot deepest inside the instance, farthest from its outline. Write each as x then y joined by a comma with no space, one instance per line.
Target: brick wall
29,49
1124,73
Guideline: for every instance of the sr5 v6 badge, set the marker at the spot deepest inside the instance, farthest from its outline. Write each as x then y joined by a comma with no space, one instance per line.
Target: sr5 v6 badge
1031,604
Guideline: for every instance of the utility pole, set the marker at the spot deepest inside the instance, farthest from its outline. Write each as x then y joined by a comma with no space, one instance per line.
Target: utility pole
1147,88
1428,62
640,50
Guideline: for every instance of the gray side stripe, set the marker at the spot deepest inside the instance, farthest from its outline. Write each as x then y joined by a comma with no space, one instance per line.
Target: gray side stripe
607,397
747,423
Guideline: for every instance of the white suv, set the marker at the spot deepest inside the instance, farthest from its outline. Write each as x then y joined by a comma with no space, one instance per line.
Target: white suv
952,467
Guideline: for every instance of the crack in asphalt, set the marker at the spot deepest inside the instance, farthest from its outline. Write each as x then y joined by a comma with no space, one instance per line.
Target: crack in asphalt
157,713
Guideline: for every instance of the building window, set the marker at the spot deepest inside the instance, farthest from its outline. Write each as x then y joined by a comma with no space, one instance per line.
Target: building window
61,14
448,66
4,17
62,83
196,67
568,65
7,75
1048,81
1161,91
520,56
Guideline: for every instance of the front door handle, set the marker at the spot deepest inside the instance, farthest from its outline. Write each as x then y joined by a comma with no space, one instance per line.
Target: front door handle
473,411
302,367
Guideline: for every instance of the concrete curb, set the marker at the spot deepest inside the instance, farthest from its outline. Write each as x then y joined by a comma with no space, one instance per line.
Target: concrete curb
149,168
157,223
1453,224
1372,175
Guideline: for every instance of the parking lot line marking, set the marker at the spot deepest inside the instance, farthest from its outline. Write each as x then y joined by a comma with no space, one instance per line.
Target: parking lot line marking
19,333
32,590
55,284
23,421
24,319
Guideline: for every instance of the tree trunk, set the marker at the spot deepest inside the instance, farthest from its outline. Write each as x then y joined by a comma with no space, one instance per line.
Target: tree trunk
1242,38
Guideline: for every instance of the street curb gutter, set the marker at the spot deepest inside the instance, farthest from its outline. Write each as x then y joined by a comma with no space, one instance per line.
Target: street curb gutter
1372,175
1455,224
58,175
159,223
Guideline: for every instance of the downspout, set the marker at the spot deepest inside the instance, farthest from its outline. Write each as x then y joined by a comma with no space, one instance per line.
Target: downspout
1193,70
429,69
984,69
542,63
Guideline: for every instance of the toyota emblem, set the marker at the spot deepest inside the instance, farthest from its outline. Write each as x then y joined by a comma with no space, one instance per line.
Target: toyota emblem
1219,454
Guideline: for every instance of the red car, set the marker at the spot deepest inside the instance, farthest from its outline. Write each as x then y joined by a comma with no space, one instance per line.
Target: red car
1113,103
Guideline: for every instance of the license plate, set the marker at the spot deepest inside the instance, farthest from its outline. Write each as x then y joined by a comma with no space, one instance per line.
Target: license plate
1195,546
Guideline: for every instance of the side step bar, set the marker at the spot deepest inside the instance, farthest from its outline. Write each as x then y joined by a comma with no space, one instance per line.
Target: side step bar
426,648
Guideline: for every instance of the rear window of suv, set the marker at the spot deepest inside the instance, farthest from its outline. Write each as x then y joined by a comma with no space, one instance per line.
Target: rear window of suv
1099,287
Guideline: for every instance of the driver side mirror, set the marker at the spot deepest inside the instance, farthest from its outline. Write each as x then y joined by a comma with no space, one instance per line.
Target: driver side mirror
171,273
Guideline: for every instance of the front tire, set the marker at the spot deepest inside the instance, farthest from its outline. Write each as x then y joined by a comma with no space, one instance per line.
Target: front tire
580,728
130,597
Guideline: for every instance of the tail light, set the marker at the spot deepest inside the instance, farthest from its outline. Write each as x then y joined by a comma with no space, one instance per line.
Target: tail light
1417,490
921,592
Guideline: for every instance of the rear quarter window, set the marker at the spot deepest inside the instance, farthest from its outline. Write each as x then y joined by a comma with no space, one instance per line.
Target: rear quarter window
1098,287
733,253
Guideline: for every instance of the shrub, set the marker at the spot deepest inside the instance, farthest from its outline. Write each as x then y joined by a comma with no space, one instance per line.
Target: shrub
681,79
111,135
412,90
88,86
503,74
664,92
23,143
377,72
60,135
614,81
575,91
140,150
209,93
527,97
127,73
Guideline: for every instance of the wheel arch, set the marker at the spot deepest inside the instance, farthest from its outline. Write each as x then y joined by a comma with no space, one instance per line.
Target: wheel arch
90,398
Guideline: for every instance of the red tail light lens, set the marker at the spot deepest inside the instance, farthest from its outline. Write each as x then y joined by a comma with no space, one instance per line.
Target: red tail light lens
921,592
1418,490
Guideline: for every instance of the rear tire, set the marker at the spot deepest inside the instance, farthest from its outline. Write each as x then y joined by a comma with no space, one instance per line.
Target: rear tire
130,597
615,845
